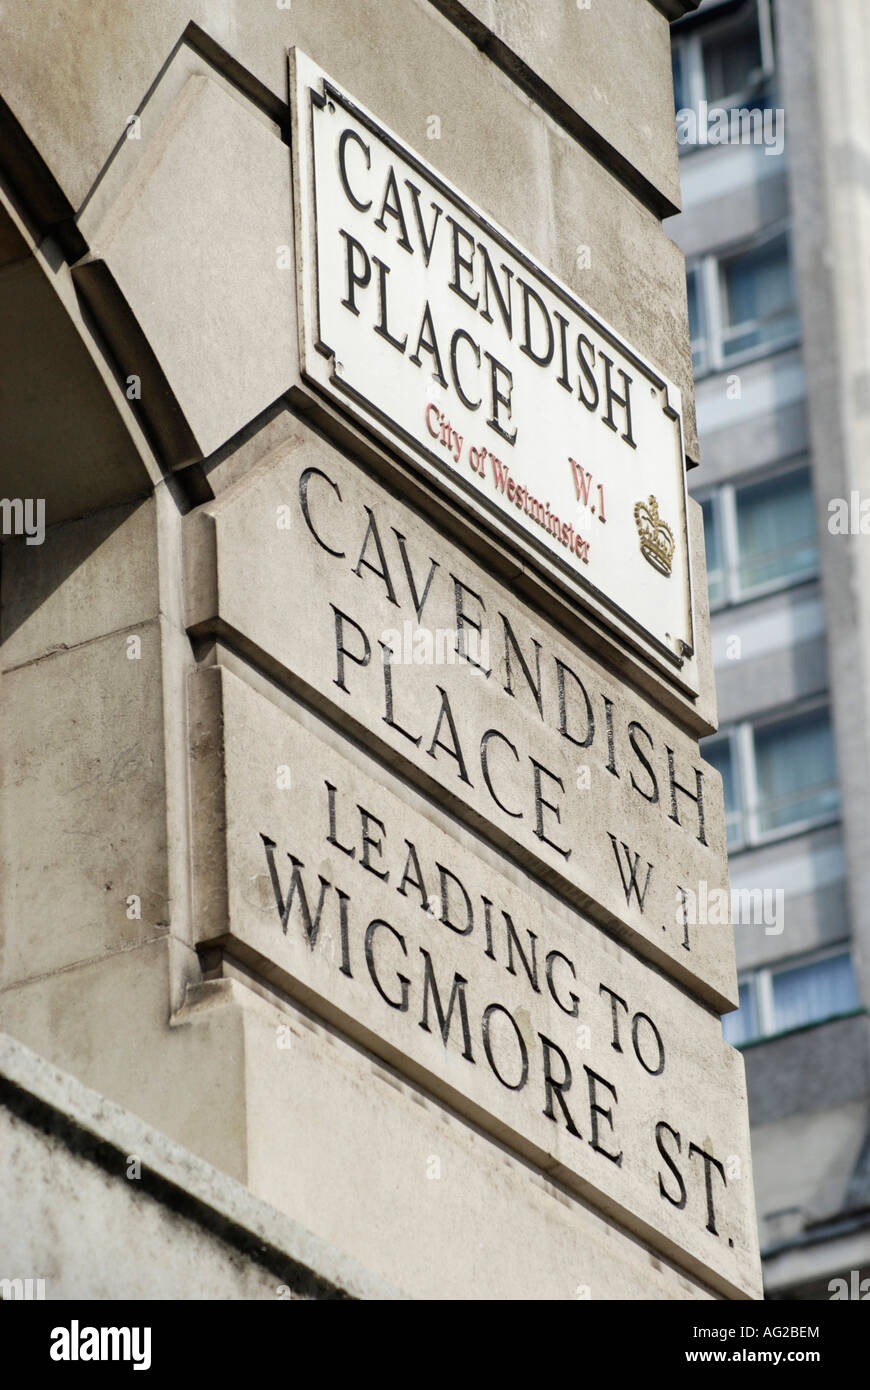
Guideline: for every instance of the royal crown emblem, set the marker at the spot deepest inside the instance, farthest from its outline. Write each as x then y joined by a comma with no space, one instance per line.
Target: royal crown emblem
656,536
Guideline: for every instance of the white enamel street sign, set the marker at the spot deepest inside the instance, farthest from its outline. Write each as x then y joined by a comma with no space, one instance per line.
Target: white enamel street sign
424,321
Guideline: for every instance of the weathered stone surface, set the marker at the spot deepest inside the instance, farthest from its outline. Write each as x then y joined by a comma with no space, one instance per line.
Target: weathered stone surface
82,794
626,107
170,1226
633,113
217,311
646,294
68,591
328,1135
546,1032
53,375
115,1019
480,702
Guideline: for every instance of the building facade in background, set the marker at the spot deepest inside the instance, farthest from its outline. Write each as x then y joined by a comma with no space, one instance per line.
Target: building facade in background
772,121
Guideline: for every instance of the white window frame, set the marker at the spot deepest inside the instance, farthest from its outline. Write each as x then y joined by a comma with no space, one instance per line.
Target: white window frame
723,502
741,740
699,346
774,232
761,979
765,837
709,270
716,500
689,50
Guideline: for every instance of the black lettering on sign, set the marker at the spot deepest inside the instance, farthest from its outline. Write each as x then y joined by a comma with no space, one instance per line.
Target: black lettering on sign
332,837
311,924
404,983
500,397
502,297
652,795
614,399
616,999
696,796
415,878
370,843
561,672
709,1164
346,135
389,716
343,901
454,748
685,941
534,683
427,342
304,480
359,271
614,1016
552,957
341,651
426,242
460,336
513,941
630,883
541,804
457,996
526,669
444,1004
663,1128
554,1087
392,204
484,765
418,600
381,570
445,876
464,620
594,1080
381,327
486,1028
635,1031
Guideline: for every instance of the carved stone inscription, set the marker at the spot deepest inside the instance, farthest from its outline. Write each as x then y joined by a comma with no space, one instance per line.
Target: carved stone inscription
341,590
512,1007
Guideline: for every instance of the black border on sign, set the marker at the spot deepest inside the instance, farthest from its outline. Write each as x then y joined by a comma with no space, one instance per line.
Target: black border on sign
481,507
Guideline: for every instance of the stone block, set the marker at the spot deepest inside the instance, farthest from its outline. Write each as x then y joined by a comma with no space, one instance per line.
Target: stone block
217,311
317,572
82,791
89,577
517,1012
347,1146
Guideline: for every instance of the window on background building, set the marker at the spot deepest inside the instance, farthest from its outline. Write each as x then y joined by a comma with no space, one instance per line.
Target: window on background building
726,61
760,536
787,995
731,55
697,331
795,771
759,305
742,1025
716,575
776,531
742,304
779,777
805,993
